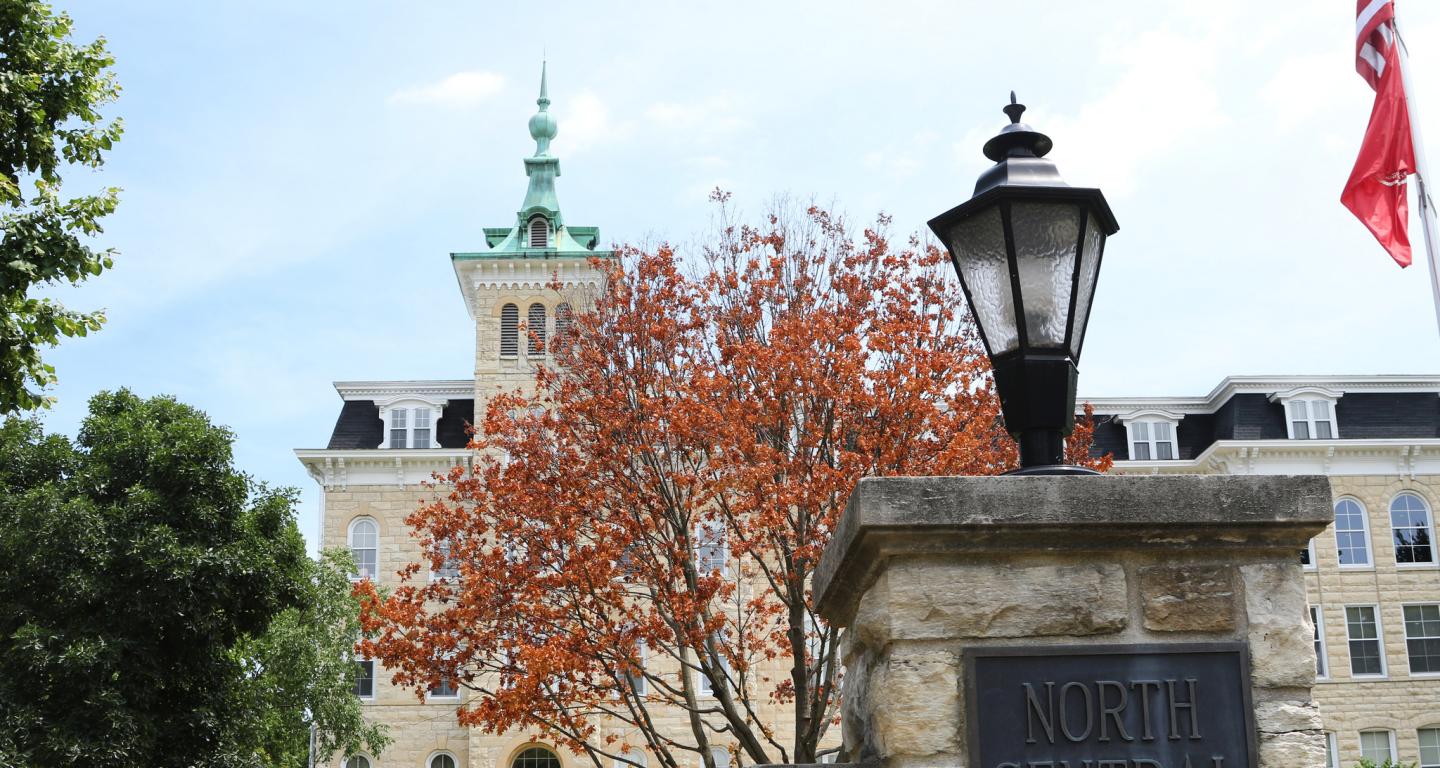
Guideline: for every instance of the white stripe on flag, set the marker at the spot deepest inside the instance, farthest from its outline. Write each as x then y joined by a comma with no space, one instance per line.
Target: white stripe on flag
1373,58
1366,15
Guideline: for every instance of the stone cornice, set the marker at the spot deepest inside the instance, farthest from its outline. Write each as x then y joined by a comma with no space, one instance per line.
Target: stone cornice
433,390
1400,456
337,469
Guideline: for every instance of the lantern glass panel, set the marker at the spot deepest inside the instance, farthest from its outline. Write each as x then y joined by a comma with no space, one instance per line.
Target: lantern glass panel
1089,271
978,243
1046,237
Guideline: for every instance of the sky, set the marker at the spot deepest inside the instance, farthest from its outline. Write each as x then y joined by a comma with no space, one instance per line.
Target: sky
295,175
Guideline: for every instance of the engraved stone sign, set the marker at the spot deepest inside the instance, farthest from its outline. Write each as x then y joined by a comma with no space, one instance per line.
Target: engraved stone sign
1110,706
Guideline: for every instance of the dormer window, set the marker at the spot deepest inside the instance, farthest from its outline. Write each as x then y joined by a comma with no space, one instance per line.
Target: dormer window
1309,413
1152,435
1152,440
409,421
539,232
1311,419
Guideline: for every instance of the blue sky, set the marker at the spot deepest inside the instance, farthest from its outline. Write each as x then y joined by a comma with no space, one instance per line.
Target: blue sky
295,175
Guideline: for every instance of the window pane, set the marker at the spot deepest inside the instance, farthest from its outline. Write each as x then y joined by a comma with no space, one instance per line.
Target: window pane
1164,451
1142,430
442,761
710,554
397,438
1331,759
422,417
1162,430
1364,640
357,761
1375,745
1320,409
1350,539
1410,525
1319,641
1298,411
1305,556
422,438
536,757
1422,638
365,678
1429,747
1302,430
397,417
445,689
1322,430
636,676
1142,452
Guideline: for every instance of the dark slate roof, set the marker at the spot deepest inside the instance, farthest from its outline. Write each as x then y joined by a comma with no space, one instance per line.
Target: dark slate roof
1251,416
359,425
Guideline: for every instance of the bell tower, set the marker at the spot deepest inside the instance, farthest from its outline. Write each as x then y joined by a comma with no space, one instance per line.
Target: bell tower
531,276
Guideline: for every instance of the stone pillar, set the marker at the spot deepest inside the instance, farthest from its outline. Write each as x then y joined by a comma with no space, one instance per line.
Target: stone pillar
925,573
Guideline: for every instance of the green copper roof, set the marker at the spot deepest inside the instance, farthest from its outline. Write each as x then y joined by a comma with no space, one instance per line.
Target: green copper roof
540,200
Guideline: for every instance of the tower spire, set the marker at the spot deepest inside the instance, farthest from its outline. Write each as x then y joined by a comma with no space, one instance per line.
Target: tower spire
542,167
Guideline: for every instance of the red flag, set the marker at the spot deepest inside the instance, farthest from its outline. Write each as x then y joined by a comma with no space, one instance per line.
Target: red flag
1375,192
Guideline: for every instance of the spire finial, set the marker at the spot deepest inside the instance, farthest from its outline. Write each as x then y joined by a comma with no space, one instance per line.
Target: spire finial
544,100
542,123
1014,110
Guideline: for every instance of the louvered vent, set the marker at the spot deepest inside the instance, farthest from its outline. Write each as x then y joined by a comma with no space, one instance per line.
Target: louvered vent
539,232
509,330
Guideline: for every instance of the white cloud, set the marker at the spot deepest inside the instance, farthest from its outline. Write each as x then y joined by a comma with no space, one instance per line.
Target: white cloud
701,120
462,89
585,122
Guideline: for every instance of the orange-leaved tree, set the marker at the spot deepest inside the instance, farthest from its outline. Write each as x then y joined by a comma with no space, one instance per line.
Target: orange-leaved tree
636,540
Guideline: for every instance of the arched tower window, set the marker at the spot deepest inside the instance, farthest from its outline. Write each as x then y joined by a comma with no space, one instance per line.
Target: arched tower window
364,541
535,322
509,330
536,757
563,315
539,232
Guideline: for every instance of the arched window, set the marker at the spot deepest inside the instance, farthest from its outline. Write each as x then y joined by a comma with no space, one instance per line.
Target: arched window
509,330
1411,526
535,327
720,756
442,760
364,540
358,761
539,232
1352,533
536,757
563,315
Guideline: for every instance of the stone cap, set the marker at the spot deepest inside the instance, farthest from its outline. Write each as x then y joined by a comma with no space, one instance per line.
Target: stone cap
1017,515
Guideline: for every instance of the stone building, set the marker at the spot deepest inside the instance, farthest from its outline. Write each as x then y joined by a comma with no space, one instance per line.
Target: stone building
391,436
1373,579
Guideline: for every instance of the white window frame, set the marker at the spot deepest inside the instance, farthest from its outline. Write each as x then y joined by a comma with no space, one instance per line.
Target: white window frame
703,685
410,404
1369,563
720,756
1322,653
1421,761
430,761
356,575
1309,396
1393,751
1379,643
1309,555
637,679
1137,422
374,679
1429,522
444,573
430,695
349,759
1332,750
1405,627
703,541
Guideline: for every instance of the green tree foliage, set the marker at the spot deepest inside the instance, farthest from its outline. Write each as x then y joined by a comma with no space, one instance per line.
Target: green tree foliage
51,92
1366,762
156,605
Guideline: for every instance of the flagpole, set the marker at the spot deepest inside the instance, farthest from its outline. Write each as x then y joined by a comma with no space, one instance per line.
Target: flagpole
1427,206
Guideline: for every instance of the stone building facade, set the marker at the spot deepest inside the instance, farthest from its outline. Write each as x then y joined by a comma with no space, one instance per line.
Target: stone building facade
391,436
1373,578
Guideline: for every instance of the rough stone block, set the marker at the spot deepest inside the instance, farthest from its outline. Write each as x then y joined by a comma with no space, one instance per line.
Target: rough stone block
1188,598
1287,716
915,703
929,600
1282,653
1295,749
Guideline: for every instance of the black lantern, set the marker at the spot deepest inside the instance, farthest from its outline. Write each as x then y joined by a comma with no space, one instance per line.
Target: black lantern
1027,247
